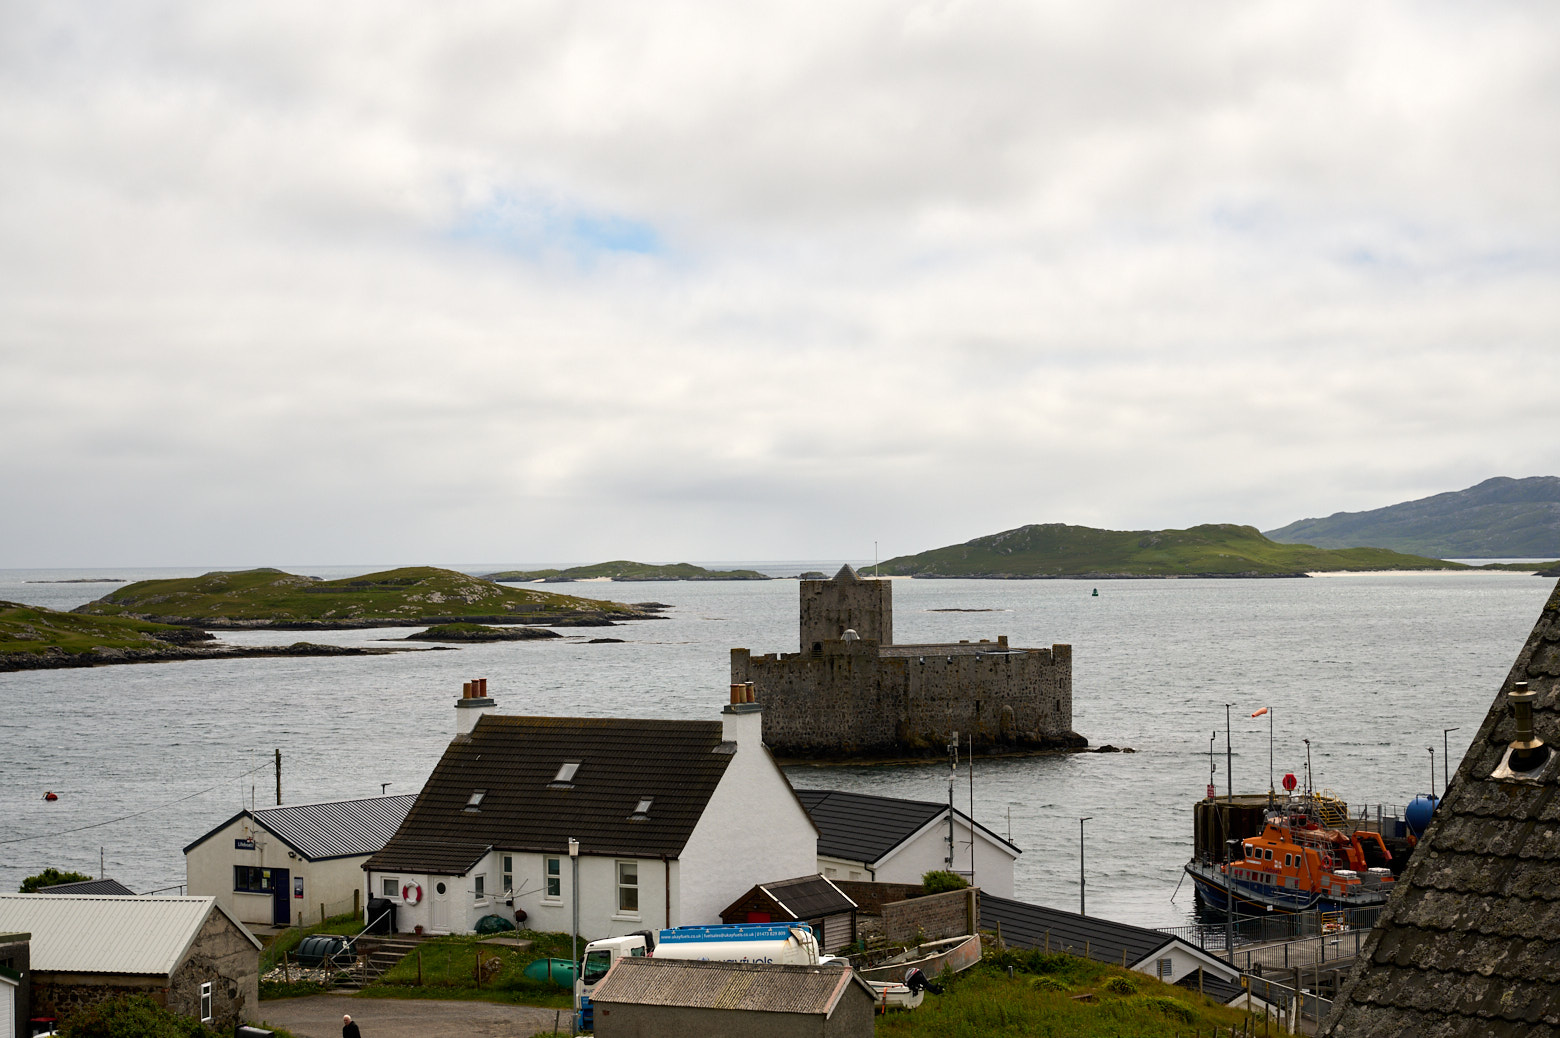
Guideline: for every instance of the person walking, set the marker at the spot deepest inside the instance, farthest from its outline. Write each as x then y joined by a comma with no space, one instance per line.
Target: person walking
349,1029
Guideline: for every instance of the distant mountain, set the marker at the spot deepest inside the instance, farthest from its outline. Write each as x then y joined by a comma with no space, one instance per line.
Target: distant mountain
1215,550
1501,518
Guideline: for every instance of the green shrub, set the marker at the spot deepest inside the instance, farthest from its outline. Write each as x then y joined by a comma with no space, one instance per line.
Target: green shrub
1174,1008
1044,983
1120,986
134,1017
48,878
940,881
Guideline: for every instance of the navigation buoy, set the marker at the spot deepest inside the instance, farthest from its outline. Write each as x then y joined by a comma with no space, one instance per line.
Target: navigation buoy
1096,593
51,795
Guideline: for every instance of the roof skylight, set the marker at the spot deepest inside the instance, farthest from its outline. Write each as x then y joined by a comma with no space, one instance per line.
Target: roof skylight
475,799
565,774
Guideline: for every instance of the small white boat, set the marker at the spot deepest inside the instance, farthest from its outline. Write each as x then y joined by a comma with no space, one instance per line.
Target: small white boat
891,995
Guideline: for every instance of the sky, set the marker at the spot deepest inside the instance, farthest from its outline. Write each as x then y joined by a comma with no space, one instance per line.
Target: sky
531,281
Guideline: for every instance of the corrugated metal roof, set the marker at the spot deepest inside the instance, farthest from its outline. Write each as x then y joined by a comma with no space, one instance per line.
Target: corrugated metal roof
515,761
337,828
749,986
1035,926
90,886
84,934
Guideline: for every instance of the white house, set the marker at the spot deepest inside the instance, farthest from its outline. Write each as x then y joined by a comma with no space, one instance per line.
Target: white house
886,840
276,866
672,820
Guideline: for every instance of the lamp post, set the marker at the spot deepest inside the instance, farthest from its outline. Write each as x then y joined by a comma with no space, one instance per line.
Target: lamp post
1081,902
1446,783
574,936
1431,750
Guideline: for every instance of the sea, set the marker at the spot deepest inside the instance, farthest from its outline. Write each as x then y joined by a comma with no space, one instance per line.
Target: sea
1386,674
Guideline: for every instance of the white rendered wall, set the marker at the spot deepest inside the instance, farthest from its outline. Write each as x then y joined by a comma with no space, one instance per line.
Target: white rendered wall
928,851
753,830
208,872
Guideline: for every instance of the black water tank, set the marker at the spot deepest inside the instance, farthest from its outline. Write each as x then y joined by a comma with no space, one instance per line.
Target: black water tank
381,915
323,950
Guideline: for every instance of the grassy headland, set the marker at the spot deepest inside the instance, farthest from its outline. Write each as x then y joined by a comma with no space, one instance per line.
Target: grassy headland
623,569
1214,550
411,596
34,629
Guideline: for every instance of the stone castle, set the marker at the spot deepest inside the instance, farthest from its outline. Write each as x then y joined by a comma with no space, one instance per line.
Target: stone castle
852,692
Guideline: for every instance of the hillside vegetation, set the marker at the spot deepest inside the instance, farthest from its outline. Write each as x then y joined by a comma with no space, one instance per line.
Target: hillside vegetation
34,629
411,596
1501,518
1216,550
624,570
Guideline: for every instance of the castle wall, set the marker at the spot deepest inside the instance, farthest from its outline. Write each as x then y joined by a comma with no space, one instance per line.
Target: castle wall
829,608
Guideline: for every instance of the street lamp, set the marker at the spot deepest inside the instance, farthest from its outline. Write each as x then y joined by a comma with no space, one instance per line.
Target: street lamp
574,937
1431,751
1081,902
1446,783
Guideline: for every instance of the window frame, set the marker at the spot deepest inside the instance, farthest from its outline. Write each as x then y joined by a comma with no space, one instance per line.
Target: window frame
206,1005
266,885
506,864
479,886
627,891
390,886
552,878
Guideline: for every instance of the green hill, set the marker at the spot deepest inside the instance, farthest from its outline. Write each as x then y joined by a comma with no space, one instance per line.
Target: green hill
412,596
34,629
624,570
1501,518
1215,550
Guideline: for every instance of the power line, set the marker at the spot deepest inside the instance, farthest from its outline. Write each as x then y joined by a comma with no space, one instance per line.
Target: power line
137,814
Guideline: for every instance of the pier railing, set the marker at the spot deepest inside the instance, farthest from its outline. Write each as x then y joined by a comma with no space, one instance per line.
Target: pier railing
1277,927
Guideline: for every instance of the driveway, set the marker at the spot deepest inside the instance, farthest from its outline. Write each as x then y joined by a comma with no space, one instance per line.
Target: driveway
319,1016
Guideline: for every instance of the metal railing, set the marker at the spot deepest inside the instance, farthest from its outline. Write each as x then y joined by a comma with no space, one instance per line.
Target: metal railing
1275,926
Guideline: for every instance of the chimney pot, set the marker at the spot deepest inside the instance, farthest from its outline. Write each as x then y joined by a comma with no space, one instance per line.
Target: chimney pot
465,690
738,692
749,697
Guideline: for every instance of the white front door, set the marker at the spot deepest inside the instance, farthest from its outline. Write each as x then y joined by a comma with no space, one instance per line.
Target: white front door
441,905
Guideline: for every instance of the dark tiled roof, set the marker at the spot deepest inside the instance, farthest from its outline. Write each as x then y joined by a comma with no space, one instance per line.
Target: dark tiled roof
513,761
866,828
333,829
1470,941
100,887
749,986
808,897
1104,940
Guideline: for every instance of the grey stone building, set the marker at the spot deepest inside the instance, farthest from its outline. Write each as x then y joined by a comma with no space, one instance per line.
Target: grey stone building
852,692
1469,944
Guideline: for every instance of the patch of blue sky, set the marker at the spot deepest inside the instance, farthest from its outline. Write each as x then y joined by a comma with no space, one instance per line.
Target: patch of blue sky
530,229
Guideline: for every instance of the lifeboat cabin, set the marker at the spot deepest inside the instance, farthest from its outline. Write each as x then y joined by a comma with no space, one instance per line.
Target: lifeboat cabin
1306,858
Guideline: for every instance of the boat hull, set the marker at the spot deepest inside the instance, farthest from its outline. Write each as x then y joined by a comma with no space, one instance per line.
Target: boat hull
1249,899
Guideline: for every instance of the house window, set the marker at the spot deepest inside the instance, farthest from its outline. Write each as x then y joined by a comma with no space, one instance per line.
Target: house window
554,871
628,887
509,872
249,879
479,887
389,886
205,1002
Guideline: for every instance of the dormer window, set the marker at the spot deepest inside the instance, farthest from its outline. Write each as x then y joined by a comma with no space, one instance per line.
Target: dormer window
473,802
565,776
641,810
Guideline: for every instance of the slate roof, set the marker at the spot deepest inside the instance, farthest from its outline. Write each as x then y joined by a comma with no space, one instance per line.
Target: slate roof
750,986
866,828
1033,926
806,897
331,829
106,887
1469,943
513,762
138,935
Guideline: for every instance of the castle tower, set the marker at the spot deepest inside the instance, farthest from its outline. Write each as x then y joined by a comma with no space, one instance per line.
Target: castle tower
846,603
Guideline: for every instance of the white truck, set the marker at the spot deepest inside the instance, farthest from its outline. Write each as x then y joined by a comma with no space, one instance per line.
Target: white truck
790,943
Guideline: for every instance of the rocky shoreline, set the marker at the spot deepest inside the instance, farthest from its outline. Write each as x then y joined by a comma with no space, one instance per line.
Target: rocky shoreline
55,659
601,619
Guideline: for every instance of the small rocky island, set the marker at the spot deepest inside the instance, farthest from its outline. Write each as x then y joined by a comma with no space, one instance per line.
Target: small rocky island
624,570
461,632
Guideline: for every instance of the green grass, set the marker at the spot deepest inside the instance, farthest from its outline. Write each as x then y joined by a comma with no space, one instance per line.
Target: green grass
1055,550
623,569
468,632
449,970
412,595
347,925
1522,567
34,629
1058,995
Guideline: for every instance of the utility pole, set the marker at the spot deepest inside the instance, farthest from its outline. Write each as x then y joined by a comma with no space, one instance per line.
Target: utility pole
972,810
1431,750
278,776
953,771
1446,755
1081,901
1229,807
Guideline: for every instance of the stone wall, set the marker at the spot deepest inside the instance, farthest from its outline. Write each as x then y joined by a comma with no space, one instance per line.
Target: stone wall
63,995
931,918
829,608
225,958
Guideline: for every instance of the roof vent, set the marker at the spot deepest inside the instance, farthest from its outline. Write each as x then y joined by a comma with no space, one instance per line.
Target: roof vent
1527,752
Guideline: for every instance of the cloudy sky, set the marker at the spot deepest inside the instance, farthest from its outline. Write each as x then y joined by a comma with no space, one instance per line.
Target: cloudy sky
379,282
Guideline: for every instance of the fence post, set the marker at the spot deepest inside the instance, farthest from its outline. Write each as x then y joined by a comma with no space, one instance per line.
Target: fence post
357,901
419,967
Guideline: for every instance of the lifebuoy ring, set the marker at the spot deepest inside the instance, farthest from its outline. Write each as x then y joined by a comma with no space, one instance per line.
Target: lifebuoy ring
411,893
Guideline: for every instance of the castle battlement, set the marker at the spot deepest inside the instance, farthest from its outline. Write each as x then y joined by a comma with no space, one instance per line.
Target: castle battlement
851,692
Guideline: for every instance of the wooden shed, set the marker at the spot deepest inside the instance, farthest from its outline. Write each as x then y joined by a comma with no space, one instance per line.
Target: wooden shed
807,899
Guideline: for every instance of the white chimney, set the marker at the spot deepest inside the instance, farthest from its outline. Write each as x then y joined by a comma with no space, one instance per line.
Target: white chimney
472,704
742,720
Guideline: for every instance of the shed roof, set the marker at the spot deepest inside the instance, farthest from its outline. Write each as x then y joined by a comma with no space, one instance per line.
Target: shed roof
808,897
866,828
1469,940
90,886
750,986
1034,926
329,829
85,934
528,804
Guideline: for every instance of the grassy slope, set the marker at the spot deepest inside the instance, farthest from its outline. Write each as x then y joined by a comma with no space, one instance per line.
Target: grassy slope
1059,995
35,629
397,595
1055,550
623,569
448,969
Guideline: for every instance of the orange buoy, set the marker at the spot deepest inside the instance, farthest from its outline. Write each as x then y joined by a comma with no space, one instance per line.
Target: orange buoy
51,795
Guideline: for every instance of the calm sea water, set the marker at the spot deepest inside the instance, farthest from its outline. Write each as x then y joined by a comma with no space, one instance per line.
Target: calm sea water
1370,668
